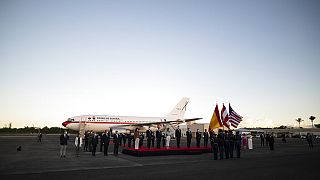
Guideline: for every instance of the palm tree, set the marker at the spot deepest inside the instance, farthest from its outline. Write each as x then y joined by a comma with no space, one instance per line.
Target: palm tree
299,120
312,118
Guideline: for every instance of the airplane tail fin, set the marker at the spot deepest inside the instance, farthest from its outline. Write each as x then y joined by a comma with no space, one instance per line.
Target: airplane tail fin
179,110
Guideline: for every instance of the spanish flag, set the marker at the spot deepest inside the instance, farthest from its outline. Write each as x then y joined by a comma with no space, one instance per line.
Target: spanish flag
215,120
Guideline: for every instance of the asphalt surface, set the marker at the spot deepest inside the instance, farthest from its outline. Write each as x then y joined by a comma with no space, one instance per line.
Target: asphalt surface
291,160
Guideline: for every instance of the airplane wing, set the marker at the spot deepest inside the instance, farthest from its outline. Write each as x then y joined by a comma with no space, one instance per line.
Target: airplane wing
157,123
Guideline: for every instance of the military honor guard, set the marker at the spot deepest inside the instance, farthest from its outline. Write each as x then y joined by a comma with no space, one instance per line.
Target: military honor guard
226,144
231,143
152,138
221,143
237,140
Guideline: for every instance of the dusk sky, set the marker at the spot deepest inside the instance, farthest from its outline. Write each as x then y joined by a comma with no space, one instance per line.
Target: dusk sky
60,59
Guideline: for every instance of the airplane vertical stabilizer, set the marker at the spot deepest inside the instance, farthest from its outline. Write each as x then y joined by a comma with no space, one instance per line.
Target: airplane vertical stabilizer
179,110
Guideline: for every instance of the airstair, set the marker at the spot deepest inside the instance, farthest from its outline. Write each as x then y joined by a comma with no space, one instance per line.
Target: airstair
82,128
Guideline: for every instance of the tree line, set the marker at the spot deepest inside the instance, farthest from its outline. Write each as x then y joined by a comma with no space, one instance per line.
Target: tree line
34,130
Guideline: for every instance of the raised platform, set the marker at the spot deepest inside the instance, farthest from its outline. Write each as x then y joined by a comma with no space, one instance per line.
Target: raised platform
143,151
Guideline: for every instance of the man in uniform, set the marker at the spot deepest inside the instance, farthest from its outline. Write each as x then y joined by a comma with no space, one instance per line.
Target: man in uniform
158,137
178,136
116,141
231,143
198,138
237,141
148,133
221,143
214,144
205,138
189,137
141,140
226,144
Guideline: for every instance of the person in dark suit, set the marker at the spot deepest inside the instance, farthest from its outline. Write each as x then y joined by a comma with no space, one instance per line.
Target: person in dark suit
95,142
237,141
130,137
106,140
205,138
149,136
178,136
158,137
120,139
152,138
124,138
189,137
262,139
271,142
86,141
198,138
116,141
101,142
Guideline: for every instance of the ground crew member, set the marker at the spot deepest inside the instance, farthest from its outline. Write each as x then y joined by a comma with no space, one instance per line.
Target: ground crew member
189,137
178,136
63,144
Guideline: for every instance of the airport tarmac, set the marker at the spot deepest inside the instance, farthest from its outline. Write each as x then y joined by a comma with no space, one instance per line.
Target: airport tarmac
291,160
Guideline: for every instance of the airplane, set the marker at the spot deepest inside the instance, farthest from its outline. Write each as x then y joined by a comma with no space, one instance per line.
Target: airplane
127,124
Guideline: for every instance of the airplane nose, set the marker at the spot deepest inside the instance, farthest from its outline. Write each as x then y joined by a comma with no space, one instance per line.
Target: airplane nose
65,124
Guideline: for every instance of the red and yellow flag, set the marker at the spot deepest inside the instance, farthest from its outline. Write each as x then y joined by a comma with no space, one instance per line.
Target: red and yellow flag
215,120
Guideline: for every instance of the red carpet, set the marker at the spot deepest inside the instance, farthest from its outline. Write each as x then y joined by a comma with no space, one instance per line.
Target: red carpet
143,151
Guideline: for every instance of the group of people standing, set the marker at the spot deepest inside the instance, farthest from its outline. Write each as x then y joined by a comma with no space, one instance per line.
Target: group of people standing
269,139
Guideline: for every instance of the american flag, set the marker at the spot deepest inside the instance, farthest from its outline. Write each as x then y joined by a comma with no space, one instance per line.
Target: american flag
234,118
225,118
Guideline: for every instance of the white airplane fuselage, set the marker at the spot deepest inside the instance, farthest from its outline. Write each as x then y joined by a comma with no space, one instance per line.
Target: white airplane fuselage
100,123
